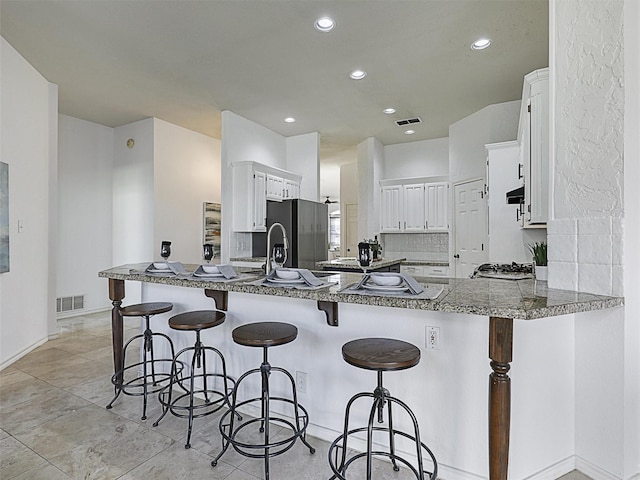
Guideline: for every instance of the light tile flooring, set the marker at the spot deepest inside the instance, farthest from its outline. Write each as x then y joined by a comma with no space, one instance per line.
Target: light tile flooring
53,424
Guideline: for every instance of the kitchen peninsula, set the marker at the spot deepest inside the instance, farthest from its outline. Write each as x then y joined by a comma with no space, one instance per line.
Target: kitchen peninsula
351,265
442,395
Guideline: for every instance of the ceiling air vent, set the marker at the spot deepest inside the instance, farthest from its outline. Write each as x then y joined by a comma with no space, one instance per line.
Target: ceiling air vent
408,121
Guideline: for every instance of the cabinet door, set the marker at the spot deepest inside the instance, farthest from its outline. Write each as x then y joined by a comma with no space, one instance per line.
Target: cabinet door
275,187
414,208
391,209
291,189
538,202
437,202
259,202
430,271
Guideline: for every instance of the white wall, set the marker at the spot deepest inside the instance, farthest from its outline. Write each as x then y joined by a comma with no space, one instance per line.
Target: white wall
370,172
508,242
85,169
303,158
631,241
467,138
427,158
348,195
28,139
585,227
186,174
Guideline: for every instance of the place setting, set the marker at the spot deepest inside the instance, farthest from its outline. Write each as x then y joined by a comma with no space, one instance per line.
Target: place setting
388,283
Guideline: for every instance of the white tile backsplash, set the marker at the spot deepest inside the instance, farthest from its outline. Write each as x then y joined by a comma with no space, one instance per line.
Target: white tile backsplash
563,275
562,248
594,249
562,227
432,247
595,279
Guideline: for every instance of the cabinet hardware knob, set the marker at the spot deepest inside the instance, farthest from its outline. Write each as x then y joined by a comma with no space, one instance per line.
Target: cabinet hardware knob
456,256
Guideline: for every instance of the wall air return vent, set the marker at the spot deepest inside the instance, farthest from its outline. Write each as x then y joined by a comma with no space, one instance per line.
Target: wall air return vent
408,121
68,304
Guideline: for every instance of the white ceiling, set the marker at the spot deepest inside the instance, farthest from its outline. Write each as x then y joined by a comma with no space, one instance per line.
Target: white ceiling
184,61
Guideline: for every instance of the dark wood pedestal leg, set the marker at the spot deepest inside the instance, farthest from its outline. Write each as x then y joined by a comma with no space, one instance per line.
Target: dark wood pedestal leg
116,294
500,352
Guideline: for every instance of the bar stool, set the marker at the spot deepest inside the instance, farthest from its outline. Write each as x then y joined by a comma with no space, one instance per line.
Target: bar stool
265,335
380,354
143,384
181,404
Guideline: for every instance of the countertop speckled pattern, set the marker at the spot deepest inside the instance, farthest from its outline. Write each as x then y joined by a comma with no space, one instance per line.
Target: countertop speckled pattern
522,299
353,264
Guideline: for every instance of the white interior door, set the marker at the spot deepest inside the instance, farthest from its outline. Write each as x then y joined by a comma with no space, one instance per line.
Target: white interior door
470,227
351,230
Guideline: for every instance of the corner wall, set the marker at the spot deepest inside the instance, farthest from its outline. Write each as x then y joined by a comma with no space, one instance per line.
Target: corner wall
28,139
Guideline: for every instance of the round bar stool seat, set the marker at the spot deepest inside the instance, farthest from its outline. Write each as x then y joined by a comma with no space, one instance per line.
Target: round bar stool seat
197,381
264,335
380,355
129,380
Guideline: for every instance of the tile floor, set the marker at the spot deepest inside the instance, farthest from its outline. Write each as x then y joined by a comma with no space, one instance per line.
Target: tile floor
53,424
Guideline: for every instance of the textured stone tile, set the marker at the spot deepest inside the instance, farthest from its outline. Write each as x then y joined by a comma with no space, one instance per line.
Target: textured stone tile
43,473
15,458
41,357
87,344
3,434
96,390
79,371
24,391
92,443
176,463
41,408
13,376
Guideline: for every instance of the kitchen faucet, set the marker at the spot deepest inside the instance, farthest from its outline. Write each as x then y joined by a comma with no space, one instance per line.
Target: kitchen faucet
285,241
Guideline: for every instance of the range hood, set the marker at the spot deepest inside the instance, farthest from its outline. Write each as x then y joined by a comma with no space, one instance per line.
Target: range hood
515,196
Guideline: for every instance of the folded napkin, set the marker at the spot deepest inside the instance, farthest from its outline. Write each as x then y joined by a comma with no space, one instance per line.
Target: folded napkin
226,271
411,283
174,268
309,278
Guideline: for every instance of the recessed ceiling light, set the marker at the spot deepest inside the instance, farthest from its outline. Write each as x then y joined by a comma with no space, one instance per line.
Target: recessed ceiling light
358,74
481,44
324,24
389,111
289,119
409,132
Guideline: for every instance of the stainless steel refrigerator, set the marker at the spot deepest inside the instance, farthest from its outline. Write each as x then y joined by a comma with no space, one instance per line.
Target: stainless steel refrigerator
307,226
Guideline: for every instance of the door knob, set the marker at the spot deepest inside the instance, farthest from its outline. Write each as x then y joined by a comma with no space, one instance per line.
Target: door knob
456,256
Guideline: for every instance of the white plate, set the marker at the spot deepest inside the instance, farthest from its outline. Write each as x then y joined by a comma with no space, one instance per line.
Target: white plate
208,275
283,280
386,288
155,270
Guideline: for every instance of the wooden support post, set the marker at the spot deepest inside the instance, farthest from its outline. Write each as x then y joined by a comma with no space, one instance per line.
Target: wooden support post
500,352
116,294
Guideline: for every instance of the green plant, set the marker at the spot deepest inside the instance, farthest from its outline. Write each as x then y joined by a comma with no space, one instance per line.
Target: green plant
539,252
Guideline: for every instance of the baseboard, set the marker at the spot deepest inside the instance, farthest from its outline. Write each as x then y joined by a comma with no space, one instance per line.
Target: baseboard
594,471
556,470
81,313
22,353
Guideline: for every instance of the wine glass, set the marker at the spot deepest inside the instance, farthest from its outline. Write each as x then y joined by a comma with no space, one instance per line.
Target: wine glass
364,255
208,252
279,254
165,250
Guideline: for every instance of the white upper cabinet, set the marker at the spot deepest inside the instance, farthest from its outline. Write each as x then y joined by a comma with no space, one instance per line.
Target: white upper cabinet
533,137
253,185
436,206
391,209
291,189
414,207
275,187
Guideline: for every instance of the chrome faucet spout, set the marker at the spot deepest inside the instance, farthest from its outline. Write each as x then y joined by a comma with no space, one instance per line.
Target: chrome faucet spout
285,241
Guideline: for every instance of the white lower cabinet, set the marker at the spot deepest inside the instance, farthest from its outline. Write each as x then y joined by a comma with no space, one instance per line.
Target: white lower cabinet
424,270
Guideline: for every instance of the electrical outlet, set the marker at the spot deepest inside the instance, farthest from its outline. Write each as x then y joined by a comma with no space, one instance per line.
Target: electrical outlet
301,382
432,338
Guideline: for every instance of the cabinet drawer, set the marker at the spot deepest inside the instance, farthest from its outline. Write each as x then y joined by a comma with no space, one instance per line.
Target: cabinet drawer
436,271
413,270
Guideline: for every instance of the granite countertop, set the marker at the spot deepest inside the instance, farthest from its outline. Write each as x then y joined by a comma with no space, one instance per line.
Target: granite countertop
428,263
522,299
353,264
